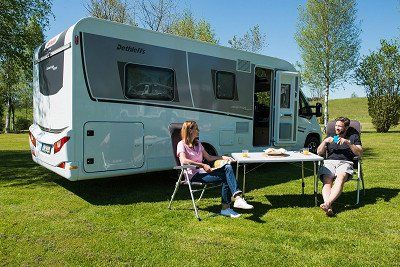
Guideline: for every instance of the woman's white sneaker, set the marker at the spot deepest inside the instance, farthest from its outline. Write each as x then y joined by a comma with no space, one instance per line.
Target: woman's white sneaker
230,213
240,203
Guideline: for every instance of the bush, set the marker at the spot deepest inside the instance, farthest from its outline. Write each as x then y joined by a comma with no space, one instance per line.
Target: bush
380,74
22,124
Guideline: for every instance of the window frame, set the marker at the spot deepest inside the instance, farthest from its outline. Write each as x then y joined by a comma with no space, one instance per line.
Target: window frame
290,100
234,92
126,68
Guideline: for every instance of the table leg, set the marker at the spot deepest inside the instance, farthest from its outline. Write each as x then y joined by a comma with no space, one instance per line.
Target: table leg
237,171
244,179
315,184
302,178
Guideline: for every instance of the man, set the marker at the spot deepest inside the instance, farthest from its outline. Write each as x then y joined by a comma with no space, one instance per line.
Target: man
338,165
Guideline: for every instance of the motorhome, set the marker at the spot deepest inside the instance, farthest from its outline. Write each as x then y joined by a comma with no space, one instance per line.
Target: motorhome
105,95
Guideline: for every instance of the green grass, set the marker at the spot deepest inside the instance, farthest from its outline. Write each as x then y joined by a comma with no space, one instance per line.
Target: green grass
47,220
355,109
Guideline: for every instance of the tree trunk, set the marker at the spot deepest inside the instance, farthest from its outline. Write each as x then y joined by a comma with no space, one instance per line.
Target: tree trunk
8,116
13,117
326,110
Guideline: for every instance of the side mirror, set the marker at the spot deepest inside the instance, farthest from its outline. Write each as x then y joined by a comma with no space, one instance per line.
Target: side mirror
318,110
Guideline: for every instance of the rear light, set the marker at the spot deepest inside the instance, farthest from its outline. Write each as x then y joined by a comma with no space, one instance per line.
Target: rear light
33,153
61,165
67,166
59,144
76,39
33,139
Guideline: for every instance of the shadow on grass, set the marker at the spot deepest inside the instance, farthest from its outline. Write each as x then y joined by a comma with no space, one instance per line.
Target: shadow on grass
346,200
18,169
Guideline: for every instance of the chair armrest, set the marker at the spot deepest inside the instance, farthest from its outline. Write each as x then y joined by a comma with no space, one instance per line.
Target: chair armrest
186,166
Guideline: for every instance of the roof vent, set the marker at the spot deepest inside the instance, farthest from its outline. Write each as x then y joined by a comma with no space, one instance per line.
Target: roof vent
243,65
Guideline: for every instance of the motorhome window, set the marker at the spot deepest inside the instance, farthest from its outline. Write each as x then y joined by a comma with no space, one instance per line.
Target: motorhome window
147,82
225,85
285,96
304,109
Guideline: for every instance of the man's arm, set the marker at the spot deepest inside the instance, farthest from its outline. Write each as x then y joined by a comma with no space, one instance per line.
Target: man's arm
321,150
356,149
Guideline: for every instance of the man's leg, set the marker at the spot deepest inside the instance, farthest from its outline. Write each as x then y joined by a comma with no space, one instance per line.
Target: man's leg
337,188
326,187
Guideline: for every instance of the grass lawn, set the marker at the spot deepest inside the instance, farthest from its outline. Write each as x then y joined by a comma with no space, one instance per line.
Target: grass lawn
47,220
355,109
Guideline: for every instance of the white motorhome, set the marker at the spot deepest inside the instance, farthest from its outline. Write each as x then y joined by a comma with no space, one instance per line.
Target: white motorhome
105,95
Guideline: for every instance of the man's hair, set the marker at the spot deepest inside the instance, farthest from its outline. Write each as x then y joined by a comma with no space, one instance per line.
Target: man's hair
187,127
345,120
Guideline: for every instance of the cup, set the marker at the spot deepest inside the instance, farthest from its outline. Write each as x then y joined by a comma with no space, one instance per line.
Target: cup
245,153
306,151
336,139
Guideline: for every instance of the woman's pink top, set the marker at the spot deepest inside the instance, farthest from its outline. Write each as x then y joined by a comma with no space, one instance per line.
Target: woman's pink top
192,153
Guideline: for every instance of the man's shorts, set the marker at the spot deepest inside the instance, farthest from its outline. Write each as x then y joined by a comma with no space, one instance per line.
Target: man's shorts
332,167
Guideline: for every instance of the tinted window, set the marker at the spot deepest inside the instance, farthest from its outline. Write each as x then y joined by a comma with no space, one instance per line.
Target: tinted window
146,82
51,69
225,85
285,95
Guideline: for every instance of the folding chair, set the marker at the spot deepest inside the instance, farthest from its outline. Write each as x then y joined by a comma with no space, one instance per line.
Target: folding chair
175,131
357,161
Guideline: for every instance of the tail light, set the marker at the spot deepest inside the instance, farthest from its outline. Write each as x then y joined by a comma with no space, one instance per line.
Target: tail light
33,139
60,143
67,166
61,165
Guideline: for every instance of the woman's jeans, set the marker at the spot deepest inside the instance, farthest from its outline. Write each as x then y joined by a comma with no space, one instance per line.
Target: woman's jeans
224,175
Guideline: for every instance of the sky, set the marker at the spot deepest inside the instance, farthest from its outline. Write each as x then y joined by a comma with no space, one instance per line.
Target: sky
379,19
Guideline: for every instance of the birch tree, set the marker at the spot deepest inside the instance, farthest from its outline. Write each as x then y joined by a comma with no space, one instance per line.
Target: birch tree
114,10
329,39
21,31
252,41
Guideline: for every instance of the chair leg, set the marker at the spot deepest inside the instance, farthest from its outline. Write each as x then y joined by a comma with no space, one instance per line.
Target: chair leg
202,193
358,189
176,189
196,213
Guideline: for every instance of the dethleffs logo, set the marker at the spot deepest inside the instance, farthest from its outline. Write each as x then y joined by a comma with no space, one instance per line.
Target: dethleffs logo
133,49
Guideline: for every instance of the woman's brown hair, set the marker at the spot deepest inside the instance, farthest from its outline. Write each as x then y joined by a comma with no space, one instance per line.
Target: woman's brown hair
186,134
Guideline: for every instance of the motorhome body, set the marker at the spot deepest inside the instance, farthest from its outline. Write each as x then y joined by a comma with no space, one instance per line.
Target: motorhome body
106,93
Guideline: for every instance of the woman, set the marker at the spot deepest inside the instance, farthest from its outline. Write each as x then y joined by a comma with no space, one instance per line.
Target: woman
190,151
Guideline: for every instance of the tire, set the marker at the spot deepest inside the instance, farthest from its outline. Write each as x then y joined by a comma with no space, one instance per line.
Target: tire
312,142
210,150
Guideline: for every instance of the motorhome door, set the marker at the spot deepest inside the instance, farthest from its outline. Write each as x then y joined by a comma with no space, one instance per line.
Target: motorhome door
286,103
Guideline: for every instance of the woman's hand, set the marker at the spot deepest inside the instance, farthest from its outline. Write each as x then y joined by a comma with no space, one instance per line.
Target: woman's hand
228,158
207,168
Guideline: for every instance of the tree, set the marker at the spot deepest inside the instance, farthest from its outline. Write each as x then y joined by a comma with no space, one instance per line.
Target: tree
188,27
379,73
329,41
157,15
114,10
21,31
252,41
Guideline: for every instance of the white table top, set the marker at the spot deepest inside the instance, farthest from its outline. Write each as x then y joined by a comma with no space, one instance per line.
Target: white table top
261,157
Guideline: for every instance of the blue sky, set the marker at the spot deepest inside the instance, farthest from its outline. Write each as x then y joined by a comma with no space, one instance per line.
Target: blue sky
379,19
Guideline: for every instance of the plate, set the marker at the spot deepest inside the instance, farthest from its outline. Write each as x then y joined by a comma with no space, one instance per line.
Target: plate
275,152
46,148
276,155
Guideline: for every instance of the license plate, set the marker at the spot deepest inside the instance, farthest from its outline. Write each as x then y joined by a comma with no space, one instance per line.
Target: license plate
46,148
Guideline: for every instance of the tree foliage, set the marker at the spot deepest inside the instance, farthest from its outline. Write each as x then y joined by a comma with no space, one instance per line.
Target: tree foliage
379,73
21,31
156,15
329,41
114,10
253,40
187,26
